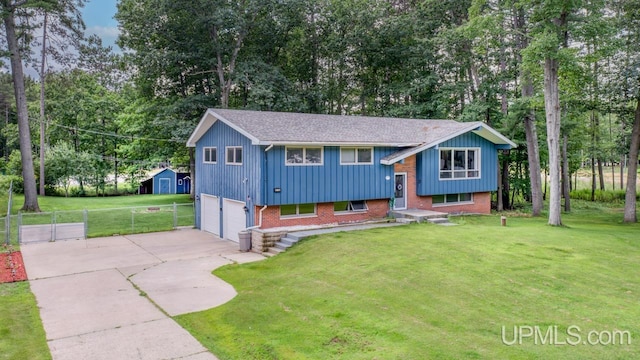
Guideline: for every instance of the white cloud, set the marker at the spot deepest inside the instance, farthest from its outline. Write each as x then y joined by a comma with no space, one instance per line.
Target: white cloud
105,32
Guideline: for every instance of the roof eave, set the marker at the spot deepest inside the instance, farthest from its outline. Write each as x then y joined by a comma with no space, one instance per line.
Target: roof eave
480,129
490,134
210,117
332,143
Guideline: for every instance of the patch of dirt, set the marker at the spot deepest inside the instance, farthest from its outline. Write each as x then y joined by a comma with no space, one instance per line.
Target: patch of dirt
12,267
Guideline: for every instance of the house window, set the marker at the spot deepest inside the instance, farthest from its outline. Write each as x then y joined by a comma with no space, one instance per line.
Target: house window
449,199
210,155
297,210
303,156
234,155
352,155
459,164
350,206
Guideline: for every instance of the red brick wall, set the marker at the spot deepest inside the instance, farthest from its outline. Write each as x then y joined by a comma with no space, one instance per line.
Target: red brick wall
481,205
324,215
413,200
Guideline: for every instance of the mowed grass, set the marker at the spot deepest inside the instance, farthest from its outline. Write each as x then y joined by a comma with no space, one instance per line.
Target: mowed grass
58,203
21,333
425,291
107,216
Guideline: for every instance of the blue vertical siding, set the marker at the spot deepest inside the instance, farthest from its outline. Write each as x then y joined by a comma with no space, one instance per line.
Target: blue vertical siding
328,182
428,168
237,182
165,174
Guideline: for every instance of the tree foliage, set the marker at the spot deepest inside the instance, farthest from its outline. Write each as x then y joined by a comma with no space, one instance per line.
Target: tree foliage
472,60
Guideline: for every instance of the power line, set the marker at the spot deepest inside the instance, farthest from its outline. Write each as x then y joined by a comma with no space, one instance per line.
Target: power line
129,137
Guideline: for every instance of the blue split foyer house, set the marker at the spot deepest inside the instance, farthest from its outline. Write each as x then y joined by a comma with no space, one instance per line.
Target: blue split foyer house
266,170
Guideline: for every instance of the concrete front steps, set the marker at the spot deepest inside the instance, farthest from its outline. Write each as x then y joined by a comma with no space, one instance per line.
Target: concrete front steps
288,241
418,215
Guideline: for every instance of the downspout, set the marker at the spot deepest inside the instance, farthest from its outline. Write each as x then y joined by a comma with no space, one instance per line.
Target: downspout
259,219
265,189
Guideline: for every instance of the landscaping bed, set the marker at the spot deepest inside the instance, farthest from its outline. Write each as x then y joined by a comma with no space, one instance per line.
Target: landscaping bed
12,267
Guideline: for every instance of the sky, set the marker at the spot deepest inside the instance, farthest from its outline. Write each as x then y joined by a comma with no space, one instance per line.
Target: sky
98,17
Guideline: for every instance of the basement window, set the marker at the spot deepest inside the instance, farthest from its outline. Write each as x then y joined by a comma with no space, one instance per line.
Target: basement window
297,210
450,199
350,206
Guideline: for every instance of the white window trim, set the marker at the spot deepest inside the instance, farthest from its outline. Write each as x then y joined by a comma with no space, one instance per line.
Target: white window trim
356,148
304,155
204,151
226,155
347,212
445,203
297,216
478,162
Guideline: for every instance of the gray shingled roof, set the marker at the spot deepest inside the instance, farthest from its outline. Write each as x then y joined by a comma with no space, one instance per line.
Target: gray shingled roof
280,127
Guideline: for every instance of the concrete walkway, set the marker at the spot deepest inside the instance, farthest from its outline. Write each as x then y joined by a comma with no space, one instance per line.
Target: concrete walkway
91,292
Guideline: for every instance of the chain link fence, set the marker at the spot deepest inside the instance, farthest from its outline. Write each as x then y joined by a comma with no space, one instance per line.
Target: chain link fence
60,225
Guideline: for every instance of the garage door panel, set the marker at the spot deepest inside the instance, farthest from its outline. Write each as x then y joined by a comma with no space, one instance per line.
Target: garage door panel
210,214
234,219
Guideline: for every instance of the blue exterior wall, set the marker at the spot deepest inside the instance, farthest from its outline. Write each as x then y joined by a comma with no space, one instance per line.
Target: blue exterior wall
165,174
237,182
428,162
328,182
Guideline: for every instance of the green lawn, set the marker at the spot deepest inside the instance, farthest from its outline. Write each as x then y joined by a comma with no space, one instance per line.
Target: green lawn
58,203
106,216
432,292
21,332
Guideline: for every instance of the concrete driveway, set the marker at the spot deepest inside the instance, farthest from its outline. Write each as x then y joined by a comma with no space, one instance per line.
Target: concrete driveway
91,293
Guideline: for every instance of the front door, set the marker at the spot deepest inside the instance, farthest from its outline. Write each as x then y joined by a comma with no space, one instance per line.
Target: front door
165,186
400,192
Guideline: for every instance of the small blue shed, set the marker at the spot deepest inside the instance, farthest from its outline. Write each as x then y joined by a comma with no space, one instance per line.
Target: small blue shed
167,181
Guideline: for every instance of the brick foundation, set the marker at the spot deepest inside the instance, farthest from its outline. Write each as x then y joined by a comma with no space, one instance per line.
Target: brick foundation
377,209
481,205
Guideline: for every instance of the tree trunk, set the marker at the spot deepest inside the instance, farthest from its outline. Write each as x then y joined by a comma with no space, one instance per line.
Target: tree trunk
505,181
500,205
566,185
601,174
623,160
42,81
613,175
552,109
28,174
533,155
593,178
527,92
630,215
192,172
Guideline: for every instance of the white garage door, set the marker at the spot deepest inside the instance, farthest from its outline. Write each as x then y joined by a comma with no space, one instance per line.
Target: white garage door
210,214
234,218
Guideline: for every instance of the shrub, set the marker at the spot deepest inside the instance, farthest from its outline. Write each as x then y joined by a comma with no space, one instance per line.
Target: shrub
610,196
